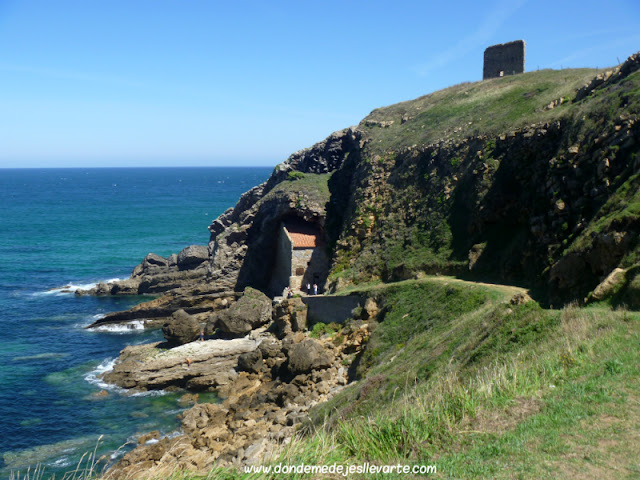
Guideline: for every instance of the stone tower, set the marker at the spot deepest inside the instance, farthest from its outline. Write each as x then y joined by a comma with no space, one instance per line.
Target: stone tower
504,59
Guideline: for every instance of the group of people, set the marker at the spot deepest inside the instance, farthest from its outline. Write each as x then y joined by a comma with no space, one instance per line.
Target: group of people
288,292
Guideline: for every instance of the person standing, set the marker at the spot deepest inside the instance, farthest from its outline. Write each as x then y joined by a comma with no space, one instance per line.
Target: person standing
315,288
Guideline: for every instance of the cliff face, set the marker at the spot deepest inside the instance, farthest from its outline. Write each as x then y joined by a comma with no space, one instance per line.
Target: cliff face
531,179
243,239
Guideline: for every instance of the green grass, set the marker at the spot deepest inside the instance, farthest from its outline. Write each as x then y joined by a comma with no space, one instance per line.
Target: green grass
307,187
489,107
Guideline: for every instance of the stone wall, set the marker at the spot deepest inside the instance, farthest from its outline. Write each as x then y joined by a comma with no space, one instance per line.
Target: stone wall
327,309
300,260
504,59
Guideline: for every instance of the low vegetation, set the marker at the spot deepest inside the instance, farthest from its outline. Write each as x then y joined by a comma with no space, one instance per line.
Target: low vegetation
308,187
490,107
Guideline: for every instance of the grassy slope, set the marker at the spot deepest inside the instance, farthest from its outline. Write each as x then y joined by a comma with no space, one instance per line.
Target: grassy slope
307,187
489,107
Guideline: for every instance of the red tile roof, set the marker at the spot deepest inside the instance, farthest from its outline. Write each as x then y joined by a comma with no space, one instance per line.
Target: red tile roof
303,234
303,240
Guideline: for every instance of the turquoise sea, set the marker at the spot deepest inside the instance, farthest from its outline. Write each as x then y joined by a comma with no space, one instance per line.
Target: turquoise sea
75,227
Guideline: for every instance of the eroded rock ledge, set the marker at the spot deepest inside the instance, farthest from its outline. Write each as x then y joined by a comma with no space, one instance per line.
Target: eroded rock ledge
268,380
157,274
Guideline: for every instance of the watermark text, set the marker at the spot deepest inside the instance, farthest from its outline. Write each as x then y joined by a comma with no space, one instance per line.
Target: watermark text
339,469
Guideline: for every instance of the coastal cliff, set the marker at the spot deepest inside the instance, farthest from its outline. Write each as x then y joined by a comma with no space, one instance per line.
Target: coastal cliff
529,180
513,179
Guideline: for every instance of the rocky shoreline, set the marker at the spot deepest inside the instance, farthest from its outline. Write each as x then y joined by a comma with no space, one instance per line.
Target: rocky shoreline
263,363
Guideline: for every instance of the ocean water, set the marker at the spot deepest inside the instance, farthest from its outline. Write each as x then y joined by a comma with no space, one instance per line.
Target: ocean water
70,228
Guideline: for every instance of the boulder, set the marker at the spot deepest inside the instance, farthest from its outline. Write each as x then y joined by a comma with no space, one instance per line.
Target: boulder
204,415
290,316
371,308
151,264
192,257
250,362
252,310
181,328
126,287
308,355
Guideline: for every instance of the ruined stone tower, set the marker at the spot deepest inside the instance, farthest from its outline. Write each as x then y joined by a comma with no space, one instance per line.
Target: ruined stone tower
504,59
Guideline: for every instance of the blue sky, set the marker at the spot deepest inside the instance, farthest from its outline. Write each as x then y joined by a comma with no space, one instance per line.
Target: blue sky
195,82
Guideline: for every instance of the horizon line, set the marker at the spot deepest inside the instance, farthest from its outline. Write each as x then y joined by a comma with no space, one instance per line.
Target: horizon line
136,166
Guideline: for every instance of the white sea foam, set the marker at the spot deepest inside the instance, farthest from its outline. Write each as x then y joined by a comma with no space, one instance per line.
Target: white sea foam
72,288
89,321
149,393
94,377
61,462
128,327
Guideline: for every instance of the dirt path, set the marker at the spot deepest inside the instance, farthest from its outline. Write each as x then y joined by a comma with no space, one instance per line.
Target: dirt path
508,290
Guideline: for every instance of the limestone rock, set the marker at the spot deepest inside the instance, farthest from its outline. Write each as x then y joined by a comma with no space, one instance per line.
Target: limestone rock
150,264
250,362
156,312
371,308
308,355
608,250
148,367
149,436
290,316
520,299
203,415
615,279
192,256
130,286
181,328
252,310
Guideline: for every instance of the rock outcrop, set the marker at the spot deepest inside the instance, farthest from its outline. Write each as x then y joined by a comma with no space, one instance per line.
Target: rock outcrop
202,302
156,274
181,328
306,356
251,311
291,316
152,367
243,238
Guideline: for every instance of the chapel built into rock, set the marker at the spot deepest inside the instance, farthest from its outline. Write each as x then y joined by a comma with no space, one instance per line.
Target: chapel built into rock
301,256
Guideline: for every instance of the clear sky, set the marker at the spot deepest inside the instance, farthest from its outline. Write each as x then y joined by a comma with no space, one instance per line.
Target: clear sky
207,82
